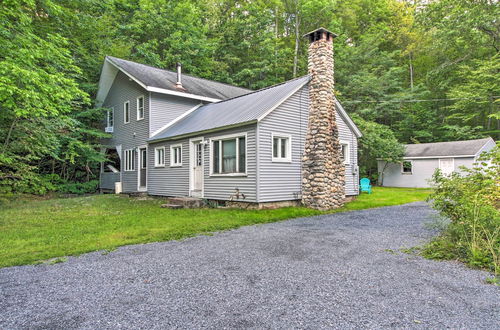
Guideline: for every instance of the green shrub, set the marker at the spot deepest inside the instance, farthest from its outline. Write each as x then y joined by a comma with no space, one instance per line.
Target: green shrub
471,200
79,187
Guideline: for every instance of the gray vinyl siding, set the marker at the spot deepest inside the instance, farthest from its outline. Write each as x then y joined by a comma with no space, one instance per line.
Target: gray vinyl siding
282,181
166,108
174,181
130,135
168,181
222,187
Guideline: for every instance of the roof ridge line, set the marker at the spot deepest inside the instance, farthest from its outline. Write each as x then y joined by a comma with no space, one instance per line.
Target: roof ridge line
185,74
419,144
259,90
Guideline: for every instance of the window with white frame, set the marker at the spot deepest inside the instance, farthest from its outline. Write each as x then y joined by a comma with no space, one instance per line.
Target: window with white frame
407,167
229,155
140,107
129,158
126,112
345,151
282,148
109,118
176,155
160,157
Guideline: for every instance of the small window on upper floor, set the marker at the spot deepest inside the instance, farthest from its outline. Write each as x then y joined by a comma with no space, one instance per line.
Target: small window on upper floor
109,120
282,148
126,112
140,107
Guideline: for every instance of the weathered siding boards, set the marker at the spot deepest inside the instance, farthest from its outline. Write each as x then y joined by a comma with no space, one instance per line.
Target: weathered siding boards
130,135
282,181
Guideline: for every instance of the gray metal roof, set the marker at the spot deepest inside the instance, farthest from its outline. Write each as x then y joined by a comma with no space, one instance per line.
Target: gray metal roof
165,79
455,148
235,111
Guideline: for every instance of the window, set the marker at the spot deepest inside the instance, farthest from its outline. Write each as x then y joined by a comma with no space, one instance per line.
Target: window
160,157
229,155
126,112
406,167
176,155
129,159
109,120
140,107
345,151
282,148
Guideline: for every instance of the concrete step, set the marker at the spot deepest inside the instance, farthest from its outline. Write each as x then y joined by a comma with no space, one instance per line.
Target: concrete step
187,202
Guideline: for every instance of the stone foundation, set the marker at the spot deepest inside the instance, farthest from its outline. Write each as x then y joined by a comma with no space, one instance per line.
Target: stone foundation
323,182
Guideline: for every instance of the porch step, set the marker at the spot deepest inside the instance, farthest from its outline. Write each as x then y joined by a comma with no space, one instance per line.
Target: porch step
187,202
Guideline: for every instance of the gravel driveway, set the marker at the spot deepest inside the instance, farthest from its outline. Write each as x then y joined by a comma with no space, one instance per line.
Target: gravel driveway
343,270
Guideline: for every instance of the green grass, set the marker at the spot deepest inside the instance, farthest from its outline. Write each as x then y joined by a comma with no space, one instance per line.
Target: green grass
32,230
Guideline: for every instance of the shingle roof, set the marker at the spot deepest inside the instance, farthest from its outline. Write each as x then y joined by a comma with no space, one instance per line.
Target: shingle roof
455,148
238,110
165,79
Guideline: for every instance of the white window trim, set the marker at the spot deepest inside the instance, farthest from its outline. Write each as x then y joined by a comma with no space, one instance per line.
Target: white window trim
143,107
228,137
112,111
172,164
288,158
407,173
157,163
125,112
347,160
128,154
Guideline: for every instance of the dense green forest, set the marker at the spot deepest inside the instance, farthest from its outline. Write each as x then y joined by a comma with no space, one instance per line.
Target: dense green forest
415,71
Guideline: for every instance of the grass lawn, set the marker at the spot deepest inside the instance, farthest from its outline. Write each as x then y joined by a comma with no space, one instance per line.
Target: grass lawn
32,230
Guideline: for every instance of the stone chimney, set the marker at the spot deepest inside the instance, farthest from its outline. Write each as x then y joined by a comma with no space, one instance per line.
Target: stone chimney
322,165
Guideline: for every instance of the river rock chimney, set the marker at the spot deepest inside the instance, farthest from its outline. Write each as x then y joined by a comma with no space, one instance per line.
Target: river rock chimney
323,172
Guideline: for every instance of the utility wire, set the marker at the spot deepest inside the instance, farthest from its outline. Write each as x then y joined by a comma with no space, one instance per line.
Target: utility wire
428,100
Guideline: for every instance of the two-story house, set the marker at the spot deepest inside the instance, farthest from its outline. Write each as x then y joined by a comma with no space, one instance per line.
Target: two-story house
179,135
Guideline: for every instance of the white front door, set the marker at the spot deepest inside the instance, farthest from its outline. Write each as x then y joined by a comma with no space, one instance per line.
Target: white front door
197,168
447,165
143,167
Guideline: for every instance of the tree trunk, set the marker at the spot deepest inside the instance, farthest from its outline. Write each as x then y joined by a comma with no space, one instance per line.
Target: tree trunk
297,40
7,139
411,73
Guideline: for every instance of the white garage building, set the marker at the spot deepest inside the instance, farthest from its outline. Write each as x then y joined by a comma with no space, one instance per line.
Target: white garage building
421,161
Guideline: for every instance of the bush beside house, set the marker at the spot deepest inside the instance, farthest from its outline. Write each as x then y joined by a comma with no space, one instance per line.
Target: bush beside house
471,200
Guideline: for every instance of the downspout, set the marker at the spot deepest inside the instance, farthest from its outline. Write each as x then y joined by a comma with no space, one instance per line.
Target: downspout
257,156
